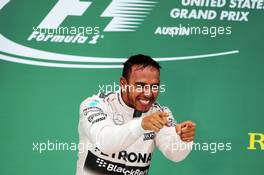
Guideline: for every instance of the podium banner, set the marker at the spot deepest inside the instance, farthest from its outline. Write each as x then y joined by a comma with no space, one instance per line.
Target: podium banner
54,54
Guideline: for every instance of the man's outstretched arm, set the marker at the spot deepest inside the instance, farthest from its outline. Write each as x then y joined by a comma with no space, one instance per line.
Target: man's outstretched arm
175,142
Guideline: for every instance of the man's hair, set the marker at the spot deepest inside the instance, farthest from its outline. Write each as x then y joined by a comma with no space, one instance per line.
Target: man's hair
141,60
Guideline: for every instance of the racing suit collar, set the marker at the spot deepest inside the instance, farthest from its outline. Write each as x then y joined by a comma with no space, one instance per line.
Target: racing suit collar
126,108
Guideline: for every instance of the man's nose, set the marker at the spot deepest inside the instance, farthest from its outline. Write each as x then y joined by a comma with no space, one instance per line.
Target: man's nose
148,93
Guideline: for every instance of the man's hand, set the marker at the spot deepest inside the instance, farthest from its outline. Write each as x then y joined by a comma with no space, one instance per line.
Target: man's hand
155,121
186,130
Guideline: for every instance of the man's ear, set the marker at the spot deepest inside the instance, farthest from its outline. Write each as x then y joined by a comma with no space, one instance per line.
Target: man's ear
123,81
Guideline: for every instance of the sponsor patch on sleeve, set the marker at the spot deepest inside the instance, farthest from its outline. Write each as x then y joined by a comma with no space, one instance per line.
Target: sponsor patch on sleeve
94,114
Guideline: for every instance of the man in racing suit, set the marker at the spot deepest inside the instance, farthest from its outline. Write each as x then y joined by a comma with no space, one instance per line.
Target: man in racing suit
119,131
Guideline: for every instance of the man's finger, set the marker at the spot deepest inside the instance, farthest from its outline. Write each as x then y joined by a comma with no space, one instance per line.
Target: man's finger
190,134
161,118
187,139
163,114
154,128
162,121
157,124
188,124
186,130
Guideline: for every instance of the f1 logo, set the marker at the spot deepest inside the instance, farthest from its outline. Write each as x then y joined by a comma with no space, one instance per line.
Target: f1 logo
127,15
61,10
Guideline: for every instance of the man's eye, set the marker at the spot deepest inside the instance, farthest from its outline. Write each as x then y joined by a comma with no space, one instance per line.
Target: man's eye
140,85
155,86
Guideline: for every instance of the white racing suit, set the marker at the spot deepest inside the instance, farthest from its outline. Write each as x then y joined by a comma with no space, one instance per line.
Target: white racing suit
113,141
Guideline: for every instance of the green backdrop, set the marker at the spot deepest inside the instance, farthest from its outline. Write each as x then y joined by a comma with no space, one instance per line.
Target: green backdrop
215,81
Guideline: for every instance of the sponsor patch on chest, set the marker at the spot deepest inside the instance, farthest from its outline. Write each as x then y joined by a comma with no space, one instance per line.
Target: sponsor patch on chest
149,136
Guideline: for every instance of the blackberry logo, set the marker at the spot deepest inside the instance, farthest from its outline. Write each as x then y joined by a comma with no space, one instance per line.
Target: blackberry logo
101,162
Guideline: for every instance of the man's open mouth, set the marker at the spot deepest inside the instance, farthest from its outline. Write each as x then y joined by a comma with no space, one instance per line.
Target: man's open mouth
144,101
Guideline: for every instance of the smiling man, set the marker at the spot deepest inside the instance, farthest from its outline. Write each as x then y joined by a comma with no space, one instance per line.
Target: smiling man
120,130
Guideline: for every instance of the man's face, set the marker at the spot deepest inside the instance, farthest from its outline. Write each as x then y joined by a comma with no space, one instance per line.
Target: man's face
141,89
